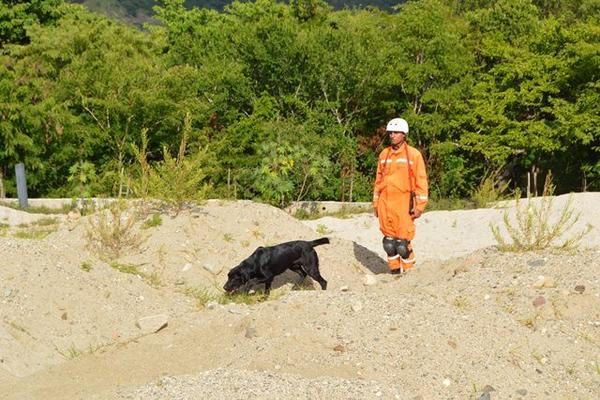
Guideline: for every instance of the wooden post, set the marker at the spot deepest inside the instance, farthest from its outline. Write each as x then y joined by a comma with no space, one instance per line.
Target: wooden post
21,185
2,192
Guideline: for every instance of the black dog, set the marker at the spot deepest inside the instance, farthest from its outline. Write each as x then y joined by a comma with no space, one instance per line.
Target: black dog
267,262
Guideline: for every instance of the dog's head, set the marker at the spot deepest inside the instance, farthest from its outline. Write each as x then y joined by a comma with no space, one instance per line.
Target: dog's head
236,279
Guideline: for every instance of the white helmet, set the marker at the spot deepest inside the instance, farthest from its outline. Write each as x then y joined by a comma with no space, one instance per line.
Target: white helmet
397,125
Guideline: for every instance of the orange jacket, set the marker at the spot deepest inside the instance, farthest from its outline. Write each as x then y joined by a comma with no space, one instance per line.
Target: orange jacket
393,184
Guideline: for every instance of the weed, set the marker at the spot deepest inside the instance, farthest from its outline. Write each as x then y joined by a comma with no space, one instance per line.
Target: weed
152,222
228,237
112,231
489,190
257,234
33,234
245,243
202,296
18,327
461,302
531,322
126,268
346,211
72,352
305,284
533,230
86,266
322,229
570,369
153,279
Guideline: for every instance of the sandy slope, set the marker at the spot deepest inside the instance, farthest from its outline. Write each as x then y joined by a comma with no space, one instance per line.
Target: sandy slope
468,321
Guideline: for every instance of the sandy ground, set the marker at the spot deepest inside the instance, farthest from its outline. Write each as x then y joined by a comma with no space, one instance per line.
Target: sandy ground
469,322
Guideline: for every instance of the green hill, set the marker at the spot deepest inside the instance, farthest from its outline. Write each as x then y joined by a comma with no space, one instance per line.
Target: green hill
139,11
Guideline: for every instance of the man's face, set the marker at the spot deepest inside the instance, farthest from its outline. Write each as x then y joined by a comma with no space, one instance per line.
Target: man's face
397,138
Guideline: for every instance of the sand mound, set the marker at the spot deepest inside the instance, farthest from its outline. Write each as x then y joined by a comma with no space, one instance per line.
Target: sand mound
468,321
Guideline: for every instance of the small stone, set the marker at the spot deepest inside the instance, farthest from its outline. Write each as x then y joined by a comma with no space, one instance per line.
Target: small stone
213,267
521,392
152,323
539,301
250,332
211,305
484,396
540,262
7,292
488,388
64,316
369,280
344,289
186,267
452,344
580,289
446,382
486,297
357,306
180,281
339,348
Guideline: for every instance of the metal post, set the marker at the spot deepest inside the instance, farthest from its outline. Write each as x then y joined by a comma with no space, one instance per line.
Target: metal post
21,185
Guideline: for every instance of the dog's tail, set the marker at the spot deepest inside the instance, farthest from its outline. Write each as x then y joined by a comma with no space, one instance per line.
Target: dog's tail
319,242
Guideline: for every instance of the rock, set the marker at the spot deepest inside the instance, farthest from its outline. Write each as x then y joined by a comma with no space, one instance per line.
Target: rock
539,301
488,388
211,305
344,289
580,289
357,306
544,282
484,396
186,267
369,280
213,267
446,382
339,348
152,323
521,392
540,262
251,332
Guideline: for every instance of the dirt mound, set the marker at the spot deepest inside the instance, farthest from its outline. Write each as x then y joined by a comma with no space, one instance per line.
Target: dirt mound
524,325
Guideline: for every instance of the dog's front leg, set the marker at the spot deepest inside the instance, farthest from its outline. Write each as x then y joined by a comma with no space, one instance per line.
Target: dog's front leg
267,280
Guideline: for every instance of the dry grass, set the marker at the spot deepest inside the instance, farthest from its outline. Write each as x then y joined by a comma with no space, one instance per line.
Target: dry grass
535,228
112,231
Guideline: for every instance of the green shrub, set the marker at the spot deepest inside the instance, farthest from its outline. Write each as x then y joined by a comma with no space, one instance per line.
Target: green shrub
174,180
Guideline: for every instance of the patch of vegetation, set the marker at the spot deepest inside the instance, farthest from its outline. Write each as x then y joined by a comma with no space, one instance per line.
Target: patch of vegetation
491,189
36,230
126,268
112,231
86,266
322,229
37,209
152,222
533,228
174,180
346,211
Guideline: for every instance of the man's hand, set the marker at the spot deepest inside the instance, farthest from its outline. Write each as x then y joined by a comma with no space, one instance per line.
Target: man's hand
416,213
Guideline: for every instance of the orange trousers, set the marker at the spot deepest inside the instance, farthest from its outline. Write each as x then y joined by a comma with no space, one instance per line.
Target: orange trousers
396,222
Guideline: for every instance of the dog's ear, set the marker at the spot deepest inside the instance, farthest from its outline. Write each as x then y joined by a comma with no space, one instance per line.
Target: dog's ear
262,256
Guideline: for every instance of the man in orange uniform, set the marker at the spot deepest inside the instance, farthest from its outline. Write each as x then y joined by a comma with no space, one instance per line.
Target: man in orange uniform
399,196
